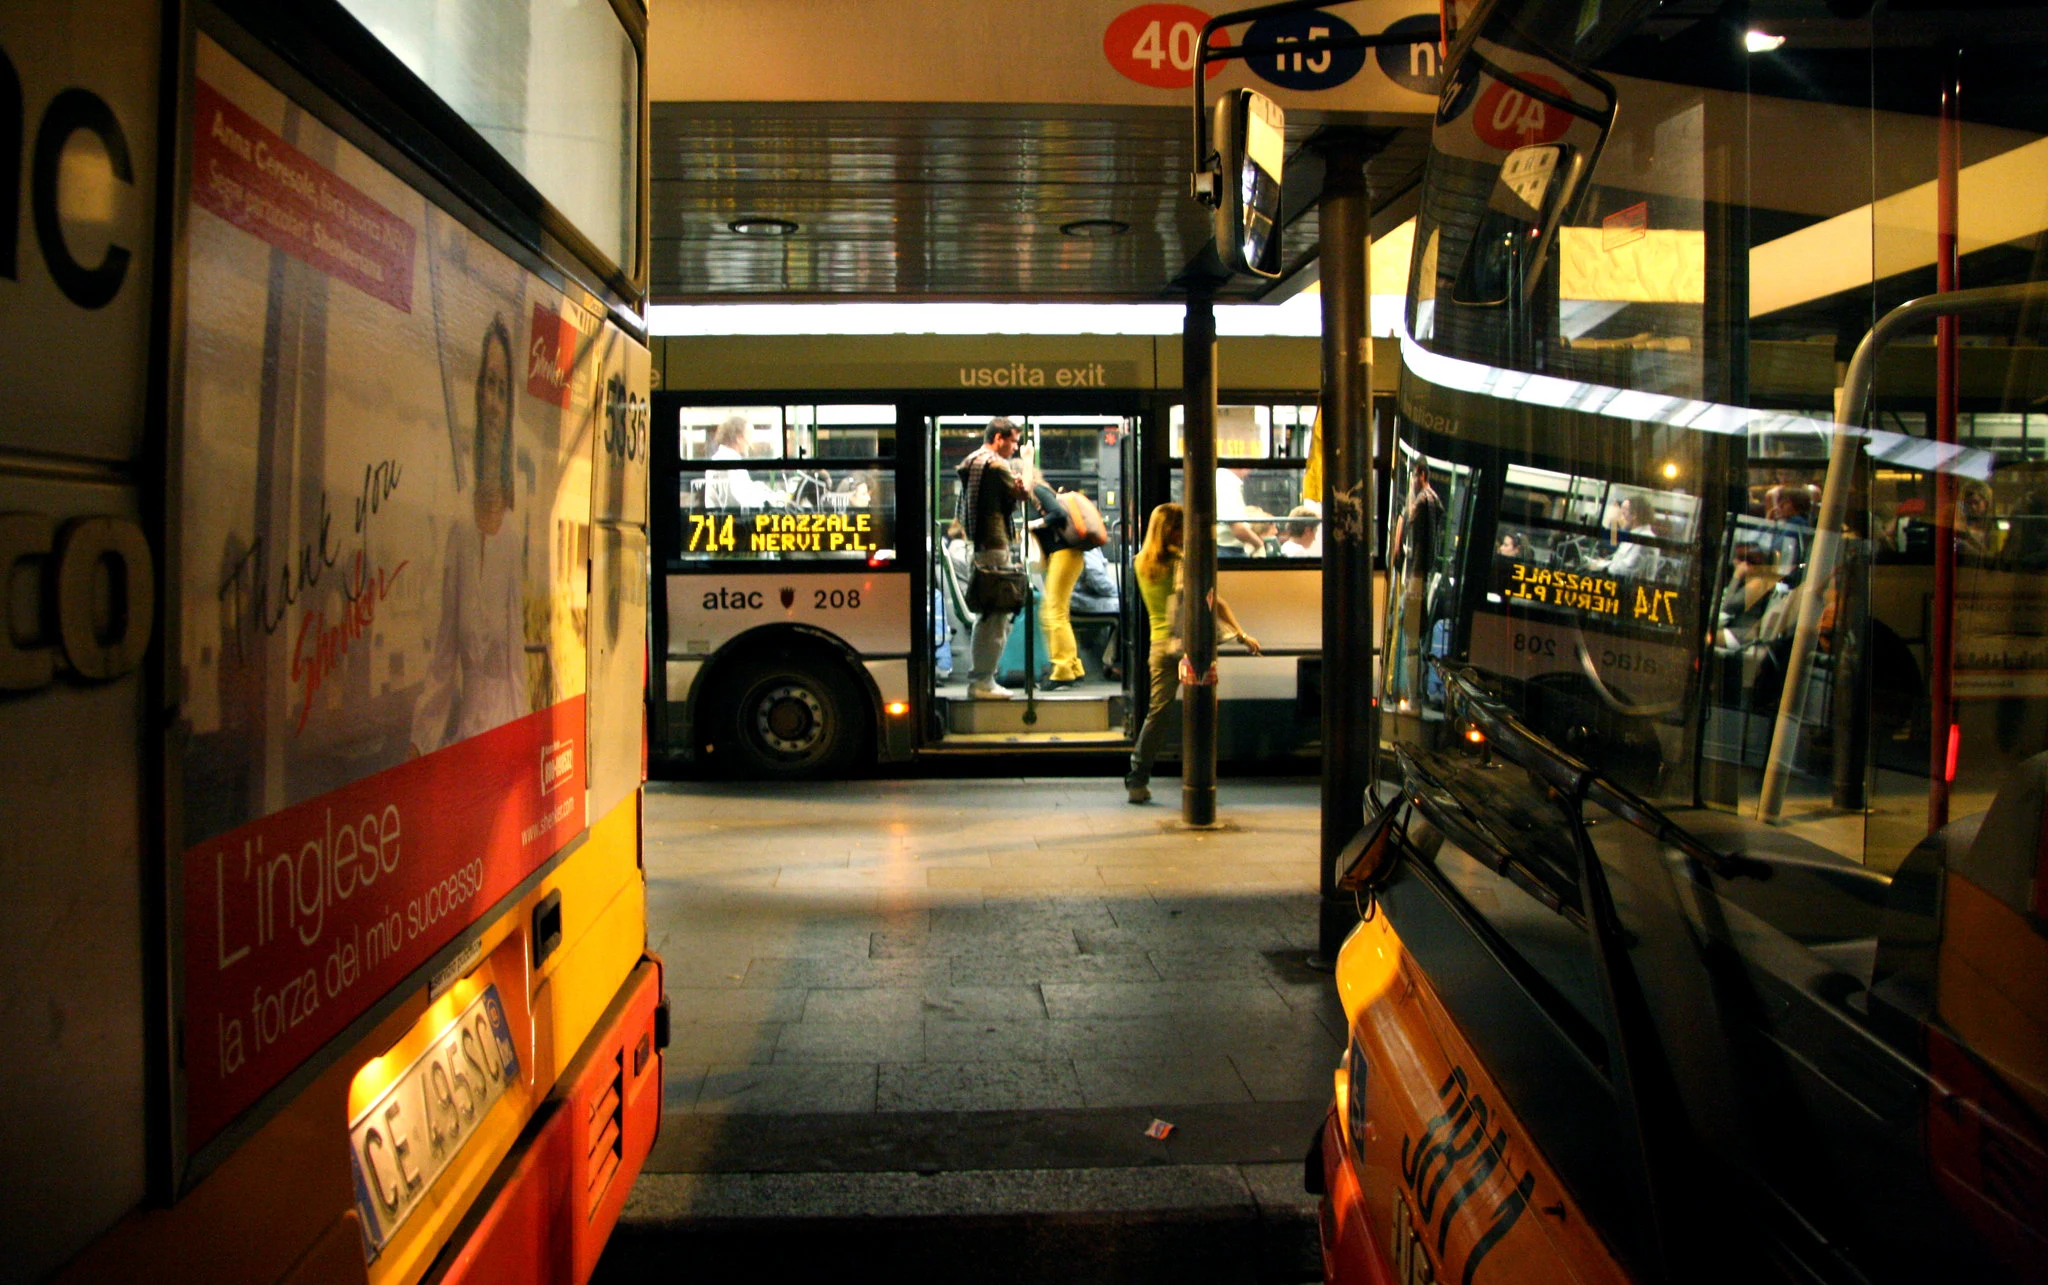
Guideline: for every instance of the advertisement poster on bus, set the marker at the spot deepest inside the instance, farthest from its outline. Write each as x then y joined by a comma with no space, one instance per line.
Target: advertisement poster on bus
388,429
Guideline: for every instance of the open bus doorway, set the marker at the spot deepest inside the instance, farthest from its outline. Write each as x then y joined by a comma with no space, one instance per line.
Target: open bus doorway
1090,452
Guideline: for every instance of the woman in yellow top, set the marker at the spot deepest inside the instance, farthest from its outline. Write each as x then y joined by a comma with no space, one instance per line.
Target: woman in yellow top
1158,566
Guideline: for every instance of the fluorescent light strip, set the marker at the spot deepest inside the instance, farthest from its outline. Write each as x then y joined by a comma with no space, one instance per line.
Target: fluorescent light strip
1299,317
1459,375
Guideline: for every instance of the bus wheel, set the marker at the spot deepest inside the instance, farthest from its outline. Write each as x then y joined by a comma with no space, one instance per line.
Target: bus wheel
791,720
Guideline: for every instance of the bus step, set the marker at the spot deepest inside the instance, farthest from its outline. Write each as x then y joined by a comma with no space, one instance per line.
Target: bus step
1068,715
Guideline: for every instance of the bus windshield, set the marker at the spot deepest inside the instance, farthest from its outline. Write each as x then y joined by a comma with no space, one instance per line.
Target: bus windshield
1674,608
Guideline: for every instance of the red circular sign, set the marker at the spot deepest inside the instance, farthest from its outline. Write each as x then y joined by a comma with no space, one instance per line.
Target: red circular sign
1507,118
1155,44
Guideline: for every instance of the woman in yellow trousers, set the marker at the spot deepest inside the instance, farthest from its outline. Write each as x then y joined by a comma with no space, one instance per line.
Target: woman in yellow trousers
1063,557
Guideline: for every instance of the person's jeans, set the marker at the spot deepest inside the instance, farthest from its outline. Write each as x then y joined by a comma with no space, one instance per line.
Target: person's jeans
1062,570
1165,663
992,629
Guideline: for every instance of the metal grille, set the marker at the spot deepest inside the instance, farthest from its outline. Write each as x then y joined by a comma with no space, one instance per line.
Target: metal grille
896,201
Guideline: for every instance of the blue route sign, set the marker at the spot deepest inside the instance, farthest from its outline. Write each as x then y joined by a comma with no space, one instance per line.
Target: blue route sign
1293,69
1415,65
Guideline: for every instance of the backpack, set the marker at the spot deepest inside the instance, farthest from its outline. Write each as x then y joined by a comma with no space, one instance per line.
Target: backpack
1086,529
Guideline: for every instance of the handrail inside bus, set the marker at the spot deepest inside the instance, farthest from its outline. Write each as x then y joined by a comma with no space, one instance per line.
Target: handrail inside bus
1852,403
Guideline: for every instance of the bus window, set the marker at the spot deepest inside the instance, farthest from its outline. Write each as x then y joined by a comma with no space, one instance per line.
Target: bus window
1263,508
806,483
1721,655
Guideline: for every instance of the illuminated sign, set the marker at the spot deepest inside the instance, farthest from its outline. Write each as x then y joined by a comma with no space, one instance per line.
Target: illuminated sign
768,531
1596,594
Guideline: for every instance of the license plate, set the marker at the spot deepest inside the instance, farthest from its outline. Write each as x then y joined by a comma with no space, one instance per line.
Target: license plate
403,1141
1411,1261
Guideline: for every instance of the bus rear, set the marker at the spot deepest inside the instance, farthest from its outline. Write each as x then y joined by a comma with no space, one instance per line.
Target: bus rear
325,538
1704,930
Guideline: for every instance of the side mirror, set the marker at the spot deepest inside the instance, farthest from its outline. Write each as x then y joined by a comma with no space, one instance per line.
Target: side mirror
1250,133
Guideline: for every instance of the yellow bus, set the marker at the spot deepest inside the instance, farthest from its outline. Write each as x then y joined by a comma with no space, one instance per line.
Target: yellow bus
1704,928
324,537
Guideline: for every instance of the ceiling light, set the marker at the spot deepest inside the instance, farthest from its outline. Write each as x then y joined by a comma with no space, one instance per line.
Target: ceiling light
760,225
1761,42
1095,228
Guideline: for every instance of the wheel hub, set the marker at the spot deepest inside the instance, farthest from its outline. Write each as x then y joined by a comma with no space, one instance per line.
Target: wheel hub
790,719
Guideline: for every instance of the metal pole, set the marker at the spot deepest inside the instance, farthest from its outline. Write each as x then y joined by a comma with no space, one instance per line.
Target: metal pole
1198,562
1851,405
1941,651
1348,726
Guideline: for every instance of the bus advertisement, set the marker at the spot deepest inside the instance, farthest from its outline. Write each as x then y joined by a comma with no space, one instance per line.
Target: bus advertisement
367,576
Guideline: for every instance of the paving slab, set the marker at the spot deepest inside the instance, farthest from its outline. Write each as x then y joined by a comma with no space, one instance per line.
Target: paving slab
920,1023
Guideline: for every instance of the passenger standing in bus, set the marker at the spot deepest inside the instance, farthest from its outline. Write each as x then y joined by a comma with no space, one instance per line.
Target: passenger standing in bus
1158,566
1068,526
1233,533
476,675
989,491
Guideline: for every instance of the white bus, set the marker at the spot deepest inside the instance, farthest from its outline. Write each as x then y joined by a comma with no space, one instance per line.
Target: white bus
813,620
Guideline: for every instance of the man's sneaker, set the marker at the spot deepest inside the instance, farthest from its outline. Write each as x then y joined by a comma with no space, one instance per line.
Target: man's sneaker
988,690
1139,793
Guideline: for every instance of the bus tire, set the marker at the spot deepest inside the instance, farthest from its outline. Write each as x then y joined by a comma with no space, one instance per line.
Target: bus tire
792,718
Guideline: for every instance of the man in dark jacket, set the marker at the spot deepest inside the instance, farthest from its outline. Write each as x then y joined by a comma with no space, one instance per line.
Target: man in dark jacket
989,491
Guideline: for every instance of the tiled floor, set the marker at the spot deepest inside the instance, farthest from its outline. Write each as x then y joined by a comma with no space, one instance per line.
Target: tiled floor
981,945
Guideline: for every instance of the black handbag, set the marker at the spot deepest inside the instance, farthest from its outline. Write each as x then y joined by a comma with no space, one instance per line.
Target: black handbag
1001,590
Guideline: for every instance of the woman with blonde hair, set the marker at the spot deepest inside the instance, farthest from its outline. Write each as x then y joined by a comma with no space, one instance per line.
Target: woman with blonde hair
1158,566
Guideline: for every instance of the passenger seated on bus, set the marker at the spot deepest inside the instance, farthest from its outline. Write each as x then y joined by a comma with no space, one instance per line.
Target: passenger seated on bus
1976,533
1304,534
1095,595
1634,559
1789,508
732,487
956,559
1757,604
1881,668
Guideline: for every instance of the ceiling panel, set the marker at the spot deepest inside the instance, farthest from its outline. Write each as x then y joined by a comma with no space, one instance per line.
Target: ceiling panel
894,202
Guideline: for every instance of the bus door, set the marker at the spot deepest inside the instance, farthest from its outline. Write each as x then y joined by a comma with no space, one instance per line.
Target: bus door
1084,702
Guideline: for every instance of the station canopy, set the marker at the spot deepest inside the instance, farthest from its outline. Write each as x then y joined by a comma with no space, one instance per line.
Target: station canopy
820,150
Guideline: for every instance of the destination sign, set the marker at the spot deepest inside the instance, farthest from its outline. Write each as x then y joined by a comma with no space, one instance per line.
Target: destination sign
770,532
1589,592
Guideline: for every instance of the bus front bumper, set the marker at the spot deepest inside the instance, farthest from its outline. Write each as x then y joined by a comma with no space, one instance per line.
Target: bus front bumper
560,1192
1352,1253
